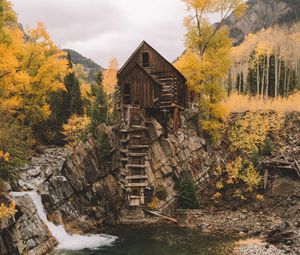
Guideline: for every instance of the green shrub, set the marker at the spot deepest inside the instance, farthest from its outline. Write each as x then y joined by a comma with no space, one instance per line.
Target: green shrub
267,147
188,195
103,144
254,158
15,143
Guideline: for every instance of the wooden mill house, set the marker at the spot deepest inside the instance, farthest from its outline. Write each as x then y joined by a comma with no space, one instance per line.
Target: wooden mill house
148,86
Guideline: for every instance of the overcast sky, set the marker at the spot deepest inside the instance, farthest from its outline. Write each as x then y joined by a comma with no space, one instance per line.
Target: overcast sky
102,29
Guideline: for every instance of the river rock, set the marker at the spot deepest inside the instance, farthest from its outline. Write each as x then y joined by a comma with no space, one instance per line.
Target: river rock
34,172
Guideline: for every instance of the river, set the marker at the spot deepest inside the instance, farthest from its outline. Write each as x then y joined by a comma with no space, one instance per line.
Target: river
158,240
128,240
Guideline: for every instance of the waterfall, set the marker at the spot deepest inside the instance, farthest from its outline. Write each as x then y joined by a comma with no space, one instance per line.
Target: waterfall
65,240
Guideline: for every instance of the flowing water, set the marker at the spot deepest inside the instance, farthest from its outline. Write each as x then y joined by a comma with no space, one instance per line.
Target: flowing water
144,240
65,240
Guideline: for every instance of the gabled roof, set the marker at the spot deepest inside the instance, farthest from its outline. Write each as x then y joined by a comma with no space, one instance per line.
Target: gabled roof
135,52
144,71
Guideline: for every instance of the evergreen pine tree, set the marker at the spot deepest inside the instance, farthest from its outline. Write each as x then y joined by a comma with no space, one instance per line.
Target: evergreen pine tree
73,92
99,107
188,196
62,104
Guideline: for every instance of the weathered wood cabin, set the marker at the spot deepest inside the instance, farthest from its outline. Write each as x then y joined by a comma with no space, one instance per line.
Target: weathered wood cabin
148,85
149,81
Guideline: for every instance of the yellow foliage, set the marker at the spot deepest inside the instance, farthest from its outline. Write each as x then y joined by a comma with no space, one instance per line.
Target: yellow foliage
109,82
239,195
85,91
110,77
281,43
207,61
190,65
251,178
233,169
76,129
7,212
240,176
249,132
4,156
219,185
241,103
217,196
29,71
240,10
213,128
154,204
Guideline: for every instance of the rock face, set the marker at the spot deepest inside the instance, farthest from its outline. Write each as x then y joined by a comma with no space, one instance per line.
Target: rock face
85,193
26,233
170,155
42,167
262,14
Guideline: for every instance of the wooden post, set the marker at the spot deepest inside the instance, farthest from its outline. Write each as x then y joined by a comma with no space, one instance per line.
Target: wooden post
176,120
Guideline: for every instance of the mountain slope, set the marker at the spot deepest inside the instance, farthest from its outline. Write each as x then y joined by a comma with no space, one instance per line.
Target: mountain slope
263,14
89,65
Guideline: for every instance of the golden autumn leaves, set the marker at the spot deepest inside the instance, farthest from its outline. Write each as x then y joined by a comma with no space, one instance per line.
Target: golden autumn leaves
247,139
30,71
6,212
207,60
273,55
4,156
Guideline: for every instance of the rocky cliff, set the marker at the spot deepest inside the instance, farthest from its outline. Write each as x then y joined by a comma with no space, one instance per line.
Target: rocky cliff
263,14
173,154
81,190
85,193
26,233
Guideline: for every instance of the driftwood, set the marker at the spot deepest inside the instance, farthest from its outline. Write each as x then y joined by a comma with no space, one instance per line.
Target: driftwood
282,162
157,214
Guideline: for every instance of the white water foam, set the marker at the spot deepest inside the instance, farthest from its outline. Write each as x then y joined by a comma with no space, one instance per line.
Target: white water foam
65,240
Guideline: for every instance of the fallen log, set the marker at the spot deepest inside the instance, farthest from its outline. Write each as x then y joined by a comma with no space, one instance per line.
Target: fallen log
157,214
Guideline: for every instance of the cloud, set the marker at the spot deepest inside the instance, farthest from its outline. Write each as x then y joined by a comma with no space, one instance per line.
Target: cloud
102,29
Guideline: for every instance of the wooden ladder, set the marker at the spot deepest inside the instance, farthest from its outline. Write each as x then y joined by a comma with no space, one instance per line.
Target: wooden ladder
134,161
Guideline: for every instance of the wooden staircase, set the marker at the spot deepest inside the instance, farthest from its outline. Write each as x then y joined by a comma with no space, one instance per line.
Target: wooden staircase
133,150
168,90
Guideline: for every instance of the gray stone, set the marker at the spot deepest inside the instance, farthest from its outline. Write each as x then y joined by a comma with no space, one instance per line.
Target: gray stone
34,172
27,234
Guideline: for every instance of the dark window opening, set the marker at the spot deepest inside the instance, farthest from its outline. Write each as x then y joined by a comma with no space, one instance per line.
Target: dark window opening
135,192
127,94
146,62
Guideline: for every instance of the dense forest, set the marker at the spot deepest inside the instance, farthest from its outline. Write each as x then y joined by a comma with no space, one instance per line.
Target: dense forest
267,67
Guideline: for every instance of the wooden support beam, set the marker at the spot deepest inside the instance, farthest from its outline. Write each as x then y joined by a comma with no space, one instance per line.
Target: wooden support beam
136,177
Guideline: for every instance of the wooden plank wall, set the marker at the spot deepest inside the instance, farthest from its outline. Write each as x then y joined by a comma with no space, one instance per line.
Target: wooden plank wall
157,65
143,89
